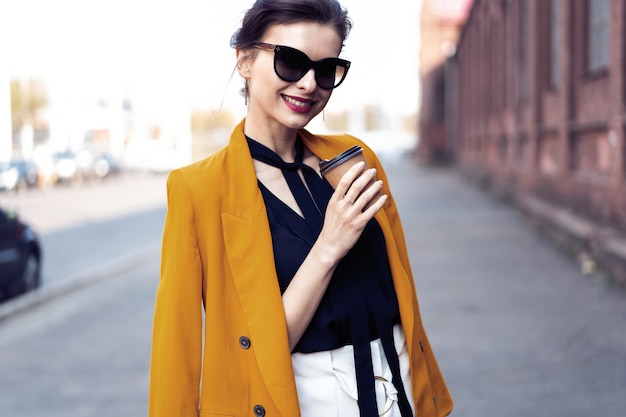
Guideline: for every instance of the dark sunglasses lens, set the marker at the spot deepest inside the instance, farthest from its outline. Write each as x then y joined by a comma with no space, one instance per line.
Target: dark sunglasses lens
329,73
291,64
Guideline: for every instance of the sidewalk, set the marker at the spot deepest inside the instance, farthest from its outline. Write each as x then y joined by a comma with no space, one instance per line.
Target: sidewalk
517,327
597,248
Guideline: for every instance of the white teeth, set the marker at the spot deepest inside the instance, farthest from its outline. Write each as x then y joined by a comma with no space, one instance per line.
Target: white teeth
297,102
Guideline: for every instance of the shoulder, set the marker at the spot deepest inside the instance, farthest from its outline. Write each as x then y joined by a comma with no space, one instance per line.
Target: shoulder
327,146
342,139
202,171
212,177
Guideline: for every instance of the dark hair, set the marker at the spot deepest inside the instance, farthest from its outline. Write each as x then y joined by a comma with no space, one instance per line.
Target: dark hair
266,13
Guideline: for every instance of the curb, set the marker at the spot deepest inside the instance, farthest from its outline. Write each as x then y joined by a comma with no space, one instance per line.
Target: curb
75,282
595,246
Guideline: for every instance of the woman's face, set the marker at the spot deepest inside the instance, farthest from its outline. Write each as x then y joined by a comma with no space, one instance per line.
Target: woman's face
290,104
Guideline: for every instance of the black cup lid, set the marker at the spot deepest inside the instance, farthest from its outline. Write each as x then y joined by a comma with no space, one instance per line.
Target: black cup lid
328,164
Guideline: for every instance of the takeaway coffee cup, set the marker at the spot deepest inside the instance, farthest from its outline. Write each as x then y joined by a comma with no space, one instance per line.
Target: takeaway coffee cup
334,169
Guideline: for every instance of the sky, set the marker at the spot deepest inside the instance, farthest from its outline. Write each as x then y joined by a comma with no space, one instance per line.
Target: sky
167,51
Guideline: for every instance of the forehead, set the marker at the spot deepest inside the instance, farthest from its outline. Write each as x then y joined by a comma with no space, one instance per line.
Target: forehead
316,40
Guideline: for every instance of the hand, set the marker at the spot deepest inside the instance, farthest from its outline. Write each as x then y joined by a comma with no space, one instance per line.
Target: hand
351,206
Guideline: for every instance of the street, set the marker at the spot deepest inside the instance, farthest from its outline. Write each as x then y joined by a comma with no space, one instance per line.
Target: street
517,328
88,226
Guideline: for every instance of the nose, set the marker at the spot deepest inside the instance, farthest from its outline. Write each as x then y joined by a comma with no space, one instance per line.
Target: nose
308,82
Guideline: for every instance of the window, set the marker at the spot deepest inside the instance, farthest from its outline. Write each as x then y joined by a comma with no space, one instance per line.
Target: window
555,43
598,35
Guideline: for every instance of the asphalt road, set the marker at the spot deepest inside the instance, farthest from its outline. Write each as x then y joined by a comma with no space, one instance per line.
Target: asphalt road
517,328
82,355
89,226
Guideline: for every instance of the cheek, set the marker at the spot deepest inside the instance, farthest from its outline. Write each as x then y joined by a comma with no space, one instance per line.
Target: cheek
325,96
263,82
262,70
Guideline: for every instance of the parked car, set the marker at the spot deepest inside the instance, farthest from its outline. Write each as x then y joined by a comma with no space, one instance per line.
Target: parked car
74,167
18,175
105,164
84,165
8,177
20,256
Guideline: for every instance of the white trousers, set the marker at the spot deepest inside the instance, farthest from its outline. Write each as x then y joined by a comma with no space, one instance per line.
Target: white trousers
326,381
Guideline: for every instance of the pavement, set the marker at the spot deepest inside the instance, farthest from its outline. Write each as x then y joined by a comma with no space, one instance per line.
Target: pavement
520,326
76,281
596,246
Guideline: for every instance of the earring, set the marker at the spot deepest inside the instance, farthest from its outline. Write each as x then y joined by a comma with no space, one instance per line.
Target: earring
323,115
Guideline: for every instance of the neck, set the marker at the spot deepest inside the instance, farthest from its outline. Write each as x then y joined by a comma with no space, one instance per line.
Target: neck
280,139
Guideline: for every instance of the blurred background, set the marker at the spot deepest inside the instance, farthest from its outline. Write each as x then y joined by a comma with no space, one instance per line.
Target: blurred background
524,99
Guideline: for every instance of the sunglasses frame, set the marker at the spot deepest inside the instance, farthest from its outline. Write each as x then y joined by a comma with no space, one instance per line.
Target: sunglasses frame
315,65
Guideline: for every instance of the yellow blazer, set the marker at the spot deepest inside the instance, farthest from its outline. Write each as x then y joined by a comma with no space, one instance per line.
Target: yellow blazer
217,251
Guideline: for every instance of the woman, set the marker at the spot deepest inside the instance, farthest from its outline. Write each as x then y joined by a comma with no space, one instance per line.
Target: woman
309,302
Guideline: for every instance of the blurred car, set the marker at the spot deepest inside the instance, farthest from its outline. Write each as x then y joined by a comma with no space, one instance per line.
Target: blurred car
18,175
8,177
104,165
66,166
84,165
73,167
20,256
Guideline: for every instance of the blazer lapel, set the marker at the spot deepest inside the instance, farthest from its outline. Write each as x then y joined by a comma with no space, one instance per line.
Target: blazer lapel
248,243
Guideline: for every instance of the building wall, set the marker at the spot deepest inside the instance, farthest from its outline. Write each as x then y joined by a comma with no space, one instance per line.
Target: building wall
532,116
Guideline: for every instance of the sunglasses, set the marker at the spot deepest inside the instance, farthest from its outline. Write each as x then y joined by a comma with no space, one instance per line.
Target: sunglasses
291,65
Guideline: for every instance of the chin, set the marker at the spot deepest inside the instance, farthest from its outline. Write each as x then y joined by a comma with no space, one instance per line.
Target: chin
300,121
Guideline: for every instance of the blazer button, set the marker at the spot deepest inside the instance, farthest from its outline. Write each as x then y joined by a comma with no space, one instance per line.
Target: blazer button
244,342
259,411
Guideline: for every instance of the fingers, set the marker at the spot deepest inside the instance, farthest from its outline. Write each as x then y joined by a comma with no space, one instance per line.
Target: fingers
355,202
349,177
369,196
375,203
357,190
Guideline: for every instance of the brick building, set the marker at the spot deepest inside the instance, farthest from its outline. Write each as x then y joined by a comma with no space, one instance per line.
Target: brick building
540,102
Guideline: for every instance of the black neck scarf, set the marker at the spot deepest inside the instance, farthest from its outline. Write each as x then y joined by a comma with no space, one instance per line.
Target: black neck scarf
312,204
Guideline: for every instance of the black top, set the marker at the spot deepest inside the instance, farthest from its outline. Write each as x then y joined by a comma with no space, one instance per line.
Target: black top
360,304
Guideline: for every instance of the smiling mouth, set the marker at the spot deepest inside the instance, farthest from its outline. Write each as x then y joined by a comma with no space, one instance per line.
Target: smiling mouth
304,105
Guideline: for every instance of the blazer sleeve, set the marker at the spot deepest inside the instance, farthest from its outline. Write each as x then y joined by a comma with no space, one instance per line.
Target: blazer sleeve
390,208
176,360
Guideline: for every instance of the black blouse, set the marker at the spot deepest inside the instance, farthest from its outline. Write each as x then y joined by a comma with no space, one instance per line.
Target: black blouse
360,303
